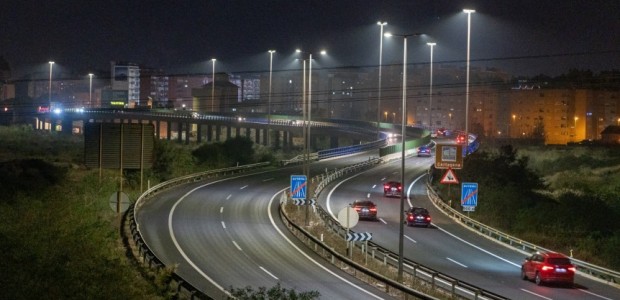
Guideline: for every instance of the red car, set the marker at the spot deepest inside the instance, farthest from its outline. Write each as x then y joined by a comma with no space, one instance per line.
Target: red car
543,267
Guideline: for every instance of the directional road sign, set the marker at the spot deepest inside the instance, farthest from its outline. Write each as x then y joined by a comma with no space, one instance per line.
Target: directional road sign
359,236
299,186
469,194
304,202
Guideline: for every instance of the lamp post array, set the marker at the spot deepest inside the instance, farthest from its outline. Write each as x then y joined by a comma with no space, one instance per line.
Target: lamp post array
90,89
381,24
271,52
403,135
213,86
430,92
468,12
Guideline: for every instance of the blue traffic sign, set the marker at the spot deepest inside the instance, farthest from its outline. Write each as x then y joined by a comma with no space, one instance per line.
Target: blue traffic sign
298,186
469,194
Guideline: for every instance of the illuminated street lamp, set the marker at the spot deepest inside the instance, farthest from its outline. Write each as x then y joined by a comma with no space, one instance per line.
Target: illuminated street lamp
385,113
90,89
468,12
430,93
49,90
403,135
213,86
381,24
307,121
271,52
393,118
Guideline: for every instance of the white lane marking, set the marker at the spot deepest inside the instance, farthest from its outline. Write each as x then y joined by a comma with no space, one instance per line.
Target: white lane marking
237,245
541,296
228,196
276,278
243,187
383,179
456,262
222,209
223,224
412,240
383,221
368,195
268,179
374,186
595,295
307,256
329,195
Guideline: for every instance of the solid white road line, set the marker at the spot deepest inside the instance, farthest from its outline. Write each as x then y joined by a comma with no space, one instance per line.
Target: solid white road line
456,262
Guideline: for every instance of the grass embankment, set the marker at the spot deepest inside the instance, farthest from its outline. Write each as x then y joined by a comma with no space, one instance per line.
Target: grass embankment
562,198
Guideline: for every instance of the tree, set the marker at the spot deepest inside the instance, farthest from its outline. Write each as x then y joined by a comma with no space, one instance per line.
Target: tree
276,292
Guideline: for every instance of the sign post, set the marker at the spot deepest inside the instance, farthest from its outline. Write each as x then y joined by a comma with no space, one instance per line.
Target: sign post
449,178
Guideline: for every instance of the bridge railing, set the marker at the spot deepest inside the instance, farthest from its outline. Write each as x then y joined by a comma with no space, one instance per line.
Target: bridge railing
457,288
607,275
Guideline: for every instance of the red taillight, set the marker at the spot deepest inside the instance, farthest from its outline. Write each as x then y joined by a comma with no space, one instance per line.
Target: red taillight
547,268
410,217
400,187
373,209
572,269
357,208
428,219
386,186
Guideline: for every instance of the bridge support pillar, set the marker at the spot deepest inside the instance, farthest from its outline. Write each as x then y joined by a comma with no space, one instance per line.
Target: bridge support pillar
198,133
180,132
218,132
168,130
188,128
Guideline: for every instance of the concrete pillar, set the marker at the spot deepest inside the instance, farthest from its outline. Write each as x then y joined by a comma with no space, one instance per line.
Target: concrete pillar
218,132
180,132
198,133
188,128
237,131
168,130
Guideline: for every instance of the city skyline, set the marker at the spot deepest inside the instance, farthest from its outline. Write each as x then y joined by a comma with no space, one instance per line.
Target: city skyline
525,38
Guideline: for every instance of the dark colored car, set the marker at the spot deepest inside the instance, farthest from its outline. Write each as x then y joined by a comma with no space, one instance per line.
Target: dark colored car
418,216
366,209
424,151
543,267
392,189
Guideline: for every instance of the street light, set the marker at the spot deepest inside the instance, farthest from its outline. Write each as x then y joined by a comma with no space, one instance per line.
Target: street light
271,52
402,174
49,90
213,86
380,63
393,118
90,89
307,122
385,113
430,93
468,12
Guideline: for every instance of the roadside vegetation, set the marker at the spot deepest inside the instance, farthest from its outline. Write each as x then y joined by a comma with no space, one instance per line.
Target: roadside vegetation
60,238
565,198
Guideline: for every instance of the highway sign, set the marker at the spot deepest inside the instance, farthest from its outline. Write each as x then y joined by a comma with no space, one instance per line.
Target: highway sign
304,202
299,186
359,236
449,177
469,194
448,156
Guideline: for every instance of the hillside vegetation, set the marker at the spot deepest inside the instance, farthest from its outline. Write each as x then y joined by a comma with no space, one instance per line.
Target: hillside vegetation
562,198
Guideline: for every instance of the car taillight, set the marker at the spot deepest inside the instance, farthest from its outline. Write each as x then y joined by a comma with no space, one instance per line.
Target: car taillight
386,186
410,217
428,219
357,208
547,268
373,209
572,269
400,187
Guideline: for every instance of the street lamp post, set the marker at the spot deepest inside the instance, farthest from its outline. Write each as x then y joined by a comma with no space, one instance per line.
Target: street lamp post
468,12
90,89
213,86
402,174
430,93
307,122
271,52
381,24
49,89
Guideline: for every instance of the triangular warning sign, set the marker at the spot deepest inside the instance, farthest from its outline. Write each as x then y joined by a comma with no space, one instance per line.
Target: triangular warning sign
449,177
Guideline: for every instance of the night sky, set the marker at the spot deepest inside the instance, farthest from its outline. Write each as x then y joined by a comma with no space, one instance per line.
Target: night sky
522,37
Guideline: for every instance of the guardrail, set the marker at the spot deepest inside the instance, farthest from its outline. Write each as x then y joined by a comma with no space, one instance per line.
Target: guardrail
147,255
455,287
607,275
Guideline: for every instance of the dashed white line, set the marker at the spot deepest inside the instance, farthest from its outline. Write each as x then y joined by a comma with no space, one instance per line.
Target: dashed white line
222,209
383,179
243,187
383,221
276,278
412,240
223,224
228,196
237,245
595,295
268,179
368,195
456,262
541,296
374,186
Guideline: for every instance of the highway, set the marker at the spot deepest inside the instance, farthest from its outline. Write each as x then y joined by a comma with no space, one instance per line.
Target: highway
226,232
447,246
